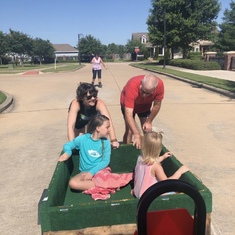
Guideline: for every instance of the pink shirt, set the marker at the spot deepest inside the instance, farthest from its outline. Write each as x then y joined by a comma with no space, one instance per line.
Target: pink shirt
131,97
96,63
142,177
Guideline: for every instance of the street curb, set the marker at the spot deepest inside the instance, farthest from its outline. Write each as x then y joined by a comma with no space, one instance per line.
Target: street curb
198,84
7,103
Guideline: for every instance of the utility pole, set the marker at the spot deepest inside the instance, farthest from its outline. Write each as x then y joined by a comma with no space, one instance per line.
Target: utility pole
79,54
164,43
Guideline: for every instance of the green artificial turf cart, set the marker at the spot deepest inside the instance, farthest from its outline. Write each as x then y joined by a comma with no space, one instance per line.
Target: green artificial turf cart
61,208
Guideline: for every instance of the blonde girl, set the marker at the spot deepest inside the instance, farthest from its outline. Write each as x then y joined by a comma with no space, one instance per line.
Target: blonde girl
148,169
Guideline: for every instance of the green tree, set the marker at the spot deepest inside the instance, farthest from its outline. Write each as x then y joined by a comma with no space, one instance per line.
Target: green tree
3,46
121,51
113,49
89,45
42,49
226,37
132,44
186,22
19,43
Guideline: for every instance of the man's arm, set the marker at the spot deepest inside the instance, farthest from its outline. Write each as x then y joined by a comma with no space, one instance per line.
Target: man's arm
154,111
133,126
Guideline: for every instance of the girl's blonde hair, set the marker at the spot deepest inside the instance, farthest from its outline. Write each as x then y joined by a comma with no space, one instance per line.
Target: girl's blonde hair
151,147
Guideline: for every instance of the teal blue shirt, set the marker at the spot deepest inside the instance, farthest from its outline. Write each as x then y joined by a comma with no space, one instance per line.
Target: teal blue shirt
93,156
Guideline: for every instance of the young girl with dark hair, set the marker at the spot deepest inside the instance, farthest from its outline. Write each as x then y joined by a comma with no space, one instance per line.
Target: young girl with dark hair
94,151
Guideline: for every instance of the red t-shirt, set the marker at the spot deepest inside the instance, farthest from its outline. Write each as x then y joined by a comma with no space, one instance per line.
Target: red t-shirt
131,97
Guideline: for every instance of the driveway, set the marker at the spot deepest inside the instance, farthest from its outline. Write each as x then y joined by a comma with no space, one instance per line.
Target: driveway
198,126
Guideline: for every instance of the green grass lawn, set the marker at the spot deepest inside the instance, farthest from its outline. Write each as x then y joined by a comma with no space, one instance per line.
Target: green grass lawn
2,97
45,68
62,68
215,82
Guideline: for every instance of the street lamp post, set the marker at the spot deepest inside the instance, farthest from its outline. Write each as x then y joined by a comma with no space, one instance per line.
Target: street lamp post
79,54
164,43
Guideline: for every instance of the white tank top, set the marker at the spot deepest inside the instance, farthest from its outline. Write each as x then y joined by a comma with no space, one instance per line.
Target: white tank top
96,64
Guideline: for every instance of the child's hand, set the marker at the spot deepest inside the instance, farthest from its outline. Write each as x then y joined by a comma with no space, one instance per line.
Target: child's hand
184,169
167,154
87,176
164,156
63,157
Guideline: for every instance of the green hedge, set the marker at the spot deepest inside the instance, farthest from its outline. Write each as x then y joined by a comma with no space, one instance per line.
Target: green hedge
195,64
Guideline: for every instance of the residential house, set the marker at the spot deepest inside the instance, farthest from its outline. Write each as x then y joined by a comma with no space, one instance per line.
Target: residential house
65,52
202,46
144,39
199,46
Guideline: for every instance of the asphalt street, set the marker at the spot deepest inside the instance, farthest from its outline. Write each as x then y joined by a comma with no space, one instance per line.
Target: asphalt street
198,126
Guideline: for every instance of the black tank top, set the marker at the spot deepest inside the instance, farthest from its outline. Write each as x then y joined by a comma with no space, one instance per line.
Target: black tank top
84,115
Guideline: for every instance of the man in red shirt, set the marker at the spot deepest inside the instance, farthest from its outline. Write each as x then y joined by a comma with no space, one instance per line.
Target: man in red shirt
142,95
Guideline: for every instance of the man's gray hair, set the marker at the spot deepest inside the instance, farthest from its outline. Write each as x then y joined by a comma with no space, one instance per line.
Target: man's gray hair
150,81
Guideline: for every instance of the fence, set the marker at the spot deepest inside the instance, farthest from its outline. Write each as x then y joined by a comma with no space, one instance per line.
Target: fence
219,60
232,65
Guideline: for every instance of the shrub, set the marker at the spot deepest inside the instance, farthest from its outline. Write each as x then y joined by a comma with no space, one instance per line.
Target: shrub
195,56
195,64
161,62
146,54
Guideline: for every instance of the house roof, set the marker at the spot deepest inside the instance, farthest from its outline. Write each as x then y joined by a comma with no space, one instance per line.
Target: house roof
64,48
138,36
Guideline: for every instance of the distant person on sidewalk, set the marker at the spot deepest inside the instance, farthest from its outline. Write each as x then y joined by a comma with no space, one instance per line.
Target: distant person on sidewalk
83,108
96,69
142,95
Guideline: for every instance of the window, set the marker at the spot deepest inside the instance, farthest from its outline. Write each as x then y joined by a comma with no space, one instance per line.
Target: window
143,39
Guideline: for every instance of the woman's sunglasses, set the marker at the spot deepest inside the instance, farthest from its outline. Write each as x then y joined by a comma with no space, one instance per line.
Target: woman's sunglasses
88,97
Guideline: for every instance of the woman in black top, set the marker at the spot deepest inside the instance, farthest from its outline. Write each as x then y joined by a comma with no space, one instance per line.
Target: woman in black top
82,108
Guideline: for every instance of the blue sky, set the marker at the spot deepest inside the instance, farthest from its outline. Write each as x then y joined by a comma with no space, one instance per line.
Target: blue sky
61,21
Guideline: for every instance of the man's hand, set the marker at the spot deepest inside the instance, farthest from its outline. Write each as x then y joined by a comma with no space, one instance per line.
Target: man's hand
147,127
137,141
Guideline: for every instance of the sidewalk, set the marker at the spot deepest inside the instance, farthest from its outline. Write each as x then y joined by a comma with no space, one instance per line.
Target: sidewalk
198,126
220,74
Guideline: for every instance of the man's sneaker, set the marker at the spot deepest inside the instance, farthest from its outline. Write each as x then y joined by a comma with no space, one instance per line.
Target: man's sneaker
100,85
